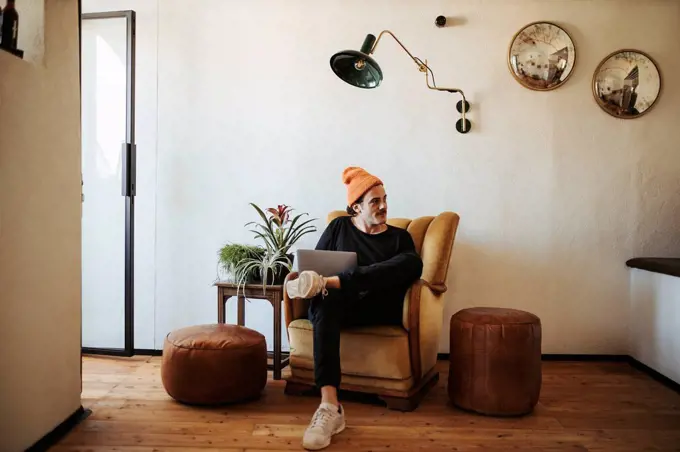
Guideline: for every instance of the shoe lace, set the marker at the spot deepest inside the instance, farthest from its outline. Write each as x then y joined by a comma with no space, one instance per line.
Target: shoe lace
322,283
321,418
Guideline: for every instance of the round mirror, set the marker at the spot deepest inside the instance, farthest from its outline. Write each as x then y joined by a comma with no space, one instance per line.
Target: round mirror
626,84
541,56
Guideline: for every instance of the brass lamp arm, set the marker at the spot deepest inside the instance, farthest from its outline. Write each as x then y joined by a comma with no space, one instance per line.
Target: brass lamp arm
415,60
422,67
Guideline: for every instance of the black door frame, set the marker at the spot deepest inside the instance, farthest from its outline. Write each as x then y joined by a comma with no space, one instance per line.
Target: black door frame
129,177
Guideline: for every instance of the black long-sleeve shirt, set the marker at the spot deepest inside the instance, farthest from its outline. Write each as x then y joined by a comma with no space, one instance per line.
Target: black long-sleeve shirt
386,261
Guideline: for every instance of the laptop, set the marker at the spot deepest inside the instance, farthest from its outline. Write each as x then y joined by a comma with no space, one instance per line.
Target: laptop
326,263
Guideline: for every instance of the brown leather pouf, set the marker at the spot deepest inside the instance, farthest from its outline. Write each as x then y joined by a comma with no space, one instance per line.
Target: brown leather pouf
495,361
214,364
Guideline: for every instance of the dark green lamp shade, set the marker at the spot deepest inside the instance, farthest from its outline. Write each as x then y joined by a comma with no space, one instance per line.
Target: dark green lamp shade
356,67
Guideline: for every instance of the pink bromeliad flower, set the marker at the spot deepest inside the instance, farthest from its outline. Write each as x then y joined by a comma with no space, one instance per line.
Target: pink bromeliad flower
280,214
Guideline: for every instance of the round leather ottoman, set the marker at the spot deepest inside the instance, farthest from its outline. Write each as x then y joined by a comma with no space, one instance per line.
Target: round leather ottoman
214,364
495,361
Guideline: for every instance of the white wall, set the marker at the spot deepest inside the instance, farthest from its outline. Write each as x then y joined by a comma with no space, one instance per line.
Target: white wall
554,195
40,380
655,321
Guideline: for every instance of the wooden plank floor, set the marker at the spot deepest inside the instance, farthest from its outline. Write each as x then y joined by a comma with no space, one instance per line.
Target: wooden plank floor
583,407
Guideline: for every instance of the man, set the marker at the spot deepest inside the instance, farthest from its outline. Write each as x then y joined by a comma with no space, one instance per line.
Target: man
370,294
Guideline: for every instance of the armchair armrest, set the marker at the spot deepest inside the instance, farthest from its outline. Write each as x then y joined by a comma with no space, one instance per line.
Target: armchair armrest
423,308
437,289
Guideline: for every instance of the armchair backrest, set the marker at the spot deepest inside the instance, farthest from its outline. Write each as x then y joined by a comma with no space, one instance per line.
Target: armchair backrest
433,237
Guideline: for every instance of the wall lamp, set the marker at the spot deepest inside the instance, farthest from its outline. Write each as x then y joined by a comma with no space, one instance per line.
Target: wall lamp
359,69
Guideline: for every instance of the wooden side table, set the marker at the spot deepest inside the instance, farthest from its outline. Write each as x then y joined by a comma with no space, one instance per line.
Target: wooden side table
272,293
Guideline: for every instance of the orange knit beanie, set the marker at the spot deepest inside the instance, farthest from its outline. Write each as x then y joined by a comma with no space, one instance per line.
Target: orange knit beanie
358,182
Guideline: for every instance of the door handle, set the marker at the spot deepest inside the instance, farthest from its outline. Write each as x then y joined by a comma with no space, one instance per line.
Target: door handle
129,167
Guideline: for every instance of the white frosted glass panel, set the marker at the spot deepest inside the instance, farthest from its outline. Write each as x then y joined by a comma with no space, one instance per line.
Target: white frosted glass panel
103,132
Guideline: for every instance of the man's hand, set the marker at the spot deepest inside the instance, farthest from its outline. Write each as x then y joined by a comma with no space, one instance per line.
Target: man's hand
332,283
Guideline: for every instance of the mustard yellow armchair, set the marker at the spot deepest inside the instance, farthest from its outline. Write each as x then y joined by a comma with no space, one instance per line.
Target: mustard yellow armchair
395,362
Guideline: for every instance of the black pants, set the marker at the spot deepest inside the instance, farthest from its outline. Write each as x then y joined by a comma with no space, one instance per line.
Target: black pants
369,295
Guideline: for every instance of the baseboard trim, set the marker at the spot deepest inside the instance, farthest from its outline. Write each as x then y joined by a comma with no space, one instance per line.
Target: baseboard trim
60,430
569,357
654,374
121,353
602,358
566,357
148,352
104,351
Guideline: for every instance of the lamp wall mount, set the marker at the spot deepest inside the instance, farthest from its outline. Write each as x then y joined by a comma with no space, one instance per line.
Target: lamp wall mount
463,125
359,69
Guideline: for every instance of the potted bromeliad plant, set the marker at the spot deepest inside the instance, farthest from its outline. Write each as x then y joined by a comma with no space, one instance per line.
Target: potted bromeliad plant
278,231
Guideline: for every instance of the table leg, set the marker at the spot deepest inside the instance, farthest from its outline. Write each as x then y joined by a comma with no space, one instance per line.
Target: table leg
221,314
241,310
276,302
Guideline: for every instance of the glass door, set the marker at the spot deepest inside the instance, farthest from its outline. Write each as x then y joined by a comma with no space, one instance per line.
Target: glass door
108,177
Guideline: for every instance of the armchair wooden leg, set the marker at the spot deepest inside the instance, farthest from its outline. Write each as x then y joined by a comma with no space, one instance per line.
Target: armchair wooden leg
411,402
300,389
399,403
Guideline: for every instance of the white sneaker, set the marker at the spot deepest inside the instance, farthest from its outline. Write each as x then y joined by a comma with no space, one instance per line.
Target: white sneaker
308,285
327,421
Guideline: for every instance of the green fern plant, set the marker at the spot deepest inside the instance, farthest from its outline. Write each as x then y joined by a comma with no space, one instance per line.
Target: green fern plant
231,256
